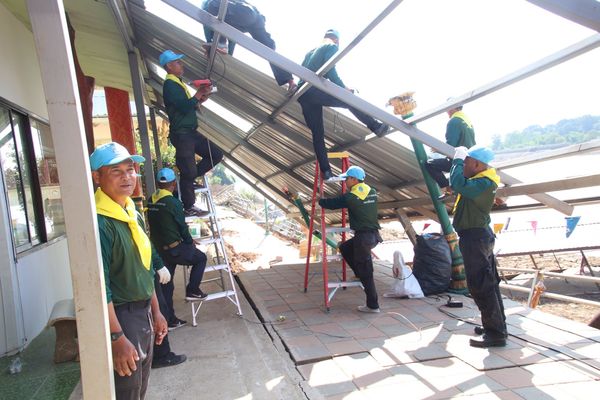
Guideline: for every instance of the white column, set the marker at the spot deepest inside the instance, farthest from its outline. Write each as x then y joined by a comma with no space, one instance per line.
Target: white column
53,47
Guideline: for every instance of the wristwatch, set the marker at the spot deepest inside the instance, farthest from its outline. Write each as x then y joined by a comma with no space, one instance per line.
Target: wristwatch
115,335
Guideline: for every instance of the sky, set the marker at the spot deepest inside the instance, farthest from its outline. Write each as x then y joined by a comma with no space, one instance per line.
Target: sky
440,49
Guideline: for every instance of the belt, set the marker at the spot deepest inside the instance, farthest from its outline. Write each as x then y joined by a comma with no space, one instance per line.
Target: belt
134,305
172,245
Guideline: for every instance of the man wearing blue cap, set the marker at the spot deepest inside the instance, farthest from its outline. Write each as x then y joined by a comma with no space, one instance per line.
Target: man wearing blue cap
129,262
183,134
361,202
244,17
171,236
459,132
476,183
313,101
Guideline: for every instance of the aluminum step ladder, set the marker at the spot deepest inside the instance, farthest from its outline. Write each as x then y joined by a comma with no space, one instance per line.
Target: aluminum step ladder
329,288
220,262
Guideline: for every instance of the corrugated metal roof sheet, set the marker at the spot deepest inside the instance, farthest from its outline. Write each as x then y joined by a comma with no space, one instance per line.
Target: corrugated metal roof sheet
280,153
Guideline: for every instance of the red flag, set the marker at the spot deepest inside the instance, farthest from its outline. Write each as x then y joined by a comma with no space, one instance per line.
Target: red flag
534,226
426,225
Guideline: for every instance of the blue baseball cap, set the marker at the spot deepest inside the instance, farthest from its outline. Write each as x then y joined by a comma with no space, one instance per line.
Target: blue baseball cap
482,154
110,154
165,175
354,172
332,32
167,56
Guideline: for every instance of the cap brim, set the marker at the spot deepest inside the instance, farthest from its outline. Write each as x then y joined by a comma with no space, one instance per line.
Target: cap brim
118,160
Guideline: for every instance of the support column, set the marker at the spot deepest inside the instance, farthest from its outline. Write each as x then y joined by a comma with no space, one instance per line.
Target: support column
121,126
138,90
64,109
159,160
459,282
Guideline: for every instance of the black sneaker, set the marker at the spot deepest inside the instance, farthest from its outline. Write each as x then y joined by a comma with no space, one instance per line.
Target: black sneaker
168,360
382,130
177,323
195,212
199,295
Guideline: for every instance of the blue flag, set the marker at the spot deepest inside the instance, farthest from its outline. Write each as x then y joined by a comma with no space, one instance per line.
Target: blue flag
571,224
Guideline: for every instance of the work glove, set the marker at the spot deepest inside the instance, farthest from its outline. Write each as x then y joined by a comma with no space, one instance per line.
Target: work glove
460,153
164,276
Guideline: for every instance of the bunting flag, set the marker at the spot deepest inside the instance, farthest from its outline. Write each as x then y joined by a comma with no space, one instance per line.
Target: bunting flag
507,224
534,226
571,224
425,226
498,228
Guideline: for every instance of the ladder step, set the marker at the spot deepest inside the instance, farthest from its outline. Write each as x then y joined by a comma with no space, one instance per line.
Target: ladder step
213,296
334,179
208,241
335,257
332,285
217,267
201,190
338,229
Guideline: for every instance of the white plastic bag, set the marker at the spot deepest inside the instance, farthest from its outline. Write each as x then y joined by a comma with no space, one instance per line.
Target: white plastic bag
405,284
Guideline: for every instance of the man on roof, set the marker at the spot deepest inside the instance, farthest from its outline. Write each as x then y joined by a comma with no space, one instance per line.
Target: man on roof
183,130
313,101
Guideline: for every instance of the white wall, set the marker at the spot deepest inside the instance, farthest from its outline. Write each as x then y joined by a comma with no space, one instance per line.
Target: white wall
30,287
20,77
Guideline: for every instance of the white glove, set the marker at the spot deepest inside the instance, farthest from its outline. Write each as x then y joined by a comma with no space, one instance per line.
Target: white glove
460,153
164,276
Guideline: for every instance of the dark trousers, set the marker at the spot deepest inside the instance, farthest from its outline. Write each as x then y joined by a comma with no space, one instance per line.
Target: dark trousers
163,349
184,254
436,168
187,145
477,248
357,253
136,322
312,103
246,18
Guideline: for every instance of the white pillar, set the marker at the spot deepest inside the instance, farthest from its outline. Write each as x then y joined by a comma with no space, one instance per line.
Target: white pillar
53,47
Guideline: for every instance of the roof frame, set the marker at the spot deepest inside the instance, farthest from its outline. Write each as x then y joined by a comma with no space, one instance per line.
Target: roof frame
583,12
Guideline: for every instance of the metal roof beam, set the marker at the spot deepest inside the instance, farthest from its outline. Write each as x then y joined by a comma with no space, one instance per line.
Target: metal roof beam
340,93
582,12
551,155
215,41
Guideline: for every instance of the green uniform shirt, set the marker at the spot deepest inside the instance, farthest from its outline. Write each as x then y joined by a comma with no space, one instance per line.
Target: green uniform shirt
316,58
362,208
476,198
459,133
167,222
180,109
126,279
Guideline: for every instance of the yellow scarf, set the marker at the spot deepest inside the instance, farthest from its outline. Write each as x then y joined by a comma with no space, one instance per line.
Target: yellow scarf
159,194
361,190
489,173
177,80
461,115
108,207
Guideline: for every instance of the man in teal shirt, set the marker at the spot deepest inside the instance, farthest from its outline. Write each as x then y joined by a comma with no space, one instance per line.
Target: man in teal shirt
183,130
459,132
313,101
129,262
361,202
476,184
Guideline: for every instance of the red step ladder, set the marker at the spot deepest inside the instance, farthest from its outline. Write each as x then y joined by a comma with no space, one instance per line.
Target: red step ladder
318,186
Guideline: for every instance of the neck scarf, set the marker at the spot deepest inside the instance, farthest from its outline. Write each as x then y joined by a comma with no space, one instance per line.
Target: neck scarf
178,81
489,173
461,115
109,208
159,194
361,190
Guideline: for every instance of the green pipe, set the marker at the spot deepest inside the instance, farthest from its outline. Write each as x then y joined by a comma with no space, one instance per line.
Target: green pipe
459,283
298,203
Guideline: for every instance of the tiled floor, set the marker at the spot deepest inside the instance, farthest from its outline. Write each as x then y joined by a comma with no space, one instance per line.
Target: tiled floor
416,348
40,378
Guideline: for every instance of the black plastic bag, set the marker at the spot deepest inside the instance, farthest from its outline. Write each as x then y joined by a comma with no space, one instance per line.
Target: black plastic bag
432,265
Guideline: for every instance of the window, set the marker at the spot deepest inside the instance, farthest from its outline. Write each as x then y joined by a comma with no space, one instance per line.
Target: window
30,179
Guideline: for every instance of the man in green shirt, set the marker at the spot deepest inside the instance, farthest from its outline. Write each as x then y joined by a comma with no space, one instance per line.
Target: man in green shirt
361,202
129,262
459,132
183,124
476,184
171,236
313,101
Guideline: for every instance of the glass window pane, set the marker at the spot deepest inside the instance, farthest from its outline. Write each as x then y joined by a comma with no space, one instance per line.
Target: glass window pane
45,158
12,180
19,128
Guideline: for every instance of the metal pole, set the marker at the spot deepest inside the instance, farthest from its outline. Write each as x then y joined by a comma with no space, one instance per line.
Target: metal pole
138,95
159,160
266,218
459,282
